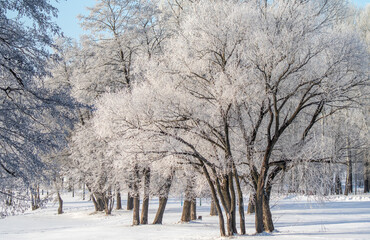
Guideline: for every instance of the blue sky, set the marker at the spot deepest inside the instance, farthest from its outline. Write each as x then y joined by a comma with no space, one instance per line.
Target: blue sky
69,9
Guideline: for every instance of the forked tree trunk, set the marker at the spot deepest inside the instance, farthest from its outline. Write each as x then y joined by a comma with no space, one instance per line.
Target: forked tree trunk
98,201
193,209
225,200
145,207
108,201
60,201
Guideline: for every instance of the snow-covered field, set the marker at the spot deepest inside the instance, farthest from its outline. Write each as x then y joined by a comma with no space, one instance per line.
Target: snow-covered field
294,218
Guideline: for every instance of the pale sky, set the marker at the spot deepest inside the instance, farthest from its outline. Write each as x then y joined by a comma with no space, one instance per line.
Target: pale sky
69,9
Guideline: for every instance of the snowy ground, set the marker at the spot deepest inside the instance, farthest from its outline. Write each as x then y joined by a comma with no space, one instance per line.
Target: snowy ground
294,218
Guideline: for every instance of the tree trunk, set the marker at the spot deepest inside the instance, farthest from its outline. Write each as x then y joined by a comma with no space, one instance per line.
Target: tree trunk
193,209
232,203
251,204
215,200
338,185
267,218
163,199
349,180
240,202
259,210
185,217
145,207
213,211
98,201
108,201
226,202
119,203
160,212
136,212
366,170
130,201
83,191
60,201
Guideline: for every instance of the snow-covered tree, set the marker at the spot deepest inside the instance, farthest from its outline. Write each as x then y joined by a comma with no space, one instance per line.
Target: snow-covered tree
230,88
33,119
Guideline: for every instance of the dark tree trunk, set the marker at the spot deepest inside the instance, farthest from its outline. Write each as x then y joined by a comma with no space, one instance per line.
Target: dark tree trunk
215,200
185,217
60,201
259,210
119,202
163,199
83,191
136,212
251,204
349,180
366,170
108,202
338,185
130,201
213,211
9,198
98,201
226,202
145,207
267,218
160,212
35,198
193,209
240,202
232,203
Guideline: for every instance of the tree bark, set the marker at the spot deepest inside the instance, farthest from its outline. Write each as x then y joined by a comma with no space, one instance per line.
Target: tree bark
251,204
160,212
213,210
349,179
145,207
119,203
193,209
366,170
60,201
267,218
163,199
130,201
259,211
185,217
215,199
240,202
136,212
338,185
98,201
